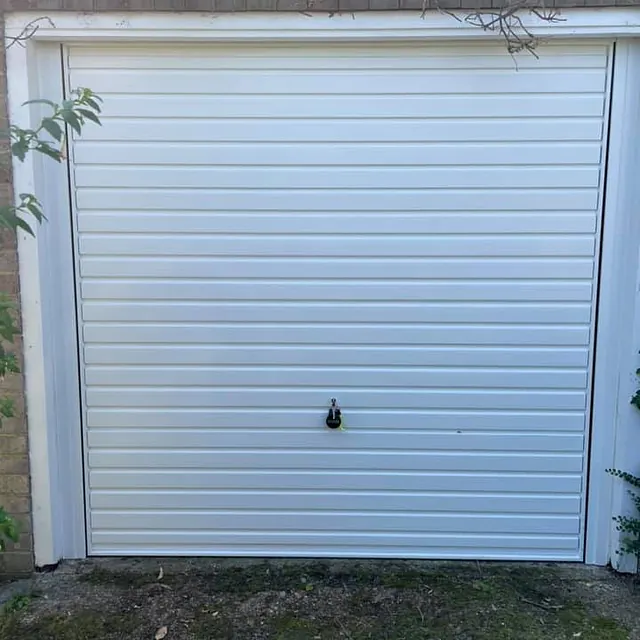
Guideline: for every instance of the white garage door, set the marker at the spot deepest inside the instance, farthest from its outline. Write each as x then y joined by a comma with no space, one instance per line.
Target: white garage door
412,230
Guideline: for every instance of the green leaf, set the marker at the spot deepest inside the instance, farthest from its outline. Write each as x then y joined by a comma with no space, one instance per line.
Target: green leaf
52,128
9,364
93,104
7,334
9,529
72,120
29,204
7,218
7,407
89,115
22,135
19,150
13,532
48,150
35,212
85,94
22,224
629,478
8,330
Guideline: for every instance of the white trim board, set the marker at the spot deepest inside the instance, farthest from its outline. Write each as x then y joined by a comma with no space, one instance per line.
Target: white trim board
47,275
615,423
49,333
260,26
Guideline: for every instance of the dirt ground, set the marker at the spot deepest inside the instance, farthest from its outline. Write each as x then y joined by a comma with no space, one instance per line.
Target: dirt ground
159,599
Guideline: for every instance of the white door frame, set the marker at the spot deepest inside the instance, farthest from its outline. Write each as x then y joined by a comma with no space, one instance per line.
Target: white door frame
46,263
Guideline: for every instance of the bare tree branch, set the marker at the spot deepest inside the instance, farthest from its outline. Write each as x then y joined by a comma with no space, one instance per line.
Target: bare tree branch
28,31
507,22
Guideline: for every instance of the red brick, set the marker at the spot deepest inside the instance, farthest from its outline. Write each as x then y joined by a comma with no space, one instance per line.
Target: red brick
13,383
16,563
16,505
14,465
14,462
229,5
14,485
347,6
8,260
25,543
384,5
198,5
24,522
12,445
78,5
13,426
262,5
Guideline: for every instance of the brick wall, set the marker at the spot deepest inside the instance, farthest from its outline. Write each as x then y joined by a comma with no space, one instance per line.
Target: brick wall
277,5
14,462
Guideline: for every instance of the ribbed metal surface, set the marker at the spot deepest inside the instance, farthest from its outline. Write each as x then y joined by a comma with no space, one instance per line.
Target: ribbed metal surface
412,230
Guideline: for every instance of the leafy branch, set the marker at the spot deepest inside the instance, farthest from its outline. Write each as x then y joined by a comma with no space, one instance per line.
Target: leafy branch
48,138
629,526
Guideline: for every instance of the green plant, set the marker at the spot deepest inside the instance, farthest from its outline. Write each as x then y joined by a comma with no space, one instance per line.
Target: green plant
629,526
19,602
8,529
48,138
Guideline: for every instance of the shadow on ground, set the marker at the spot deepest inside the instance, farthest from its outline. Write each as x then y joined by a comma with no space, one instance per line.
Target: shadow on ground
321,600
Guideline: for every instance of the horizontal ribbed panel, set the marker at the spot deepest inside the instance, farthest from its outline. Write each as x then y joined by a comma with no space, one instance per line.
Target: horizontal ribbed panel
462,421
419,355
410,229
364,154
375,440
198,480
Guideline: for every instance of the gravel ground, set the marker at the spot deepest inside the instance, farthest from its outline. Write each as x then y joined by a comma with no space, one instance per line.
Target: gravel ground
198,599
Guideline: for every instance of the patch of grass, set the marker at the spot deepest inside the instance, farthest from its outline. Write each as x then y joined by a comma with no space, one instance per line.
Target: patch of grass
209,624
605,628
18,602
575,620
269,576
82,625
291,627
404,579
325,601
124,579
263,576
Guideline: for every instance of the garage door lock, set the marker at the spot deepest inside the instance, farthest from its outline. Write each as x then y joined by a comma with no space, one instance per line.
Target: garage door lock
334,419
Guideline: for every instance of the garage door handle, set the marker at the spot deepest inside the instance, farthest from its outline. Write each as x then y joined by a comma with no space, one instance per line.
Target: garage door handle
334,418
